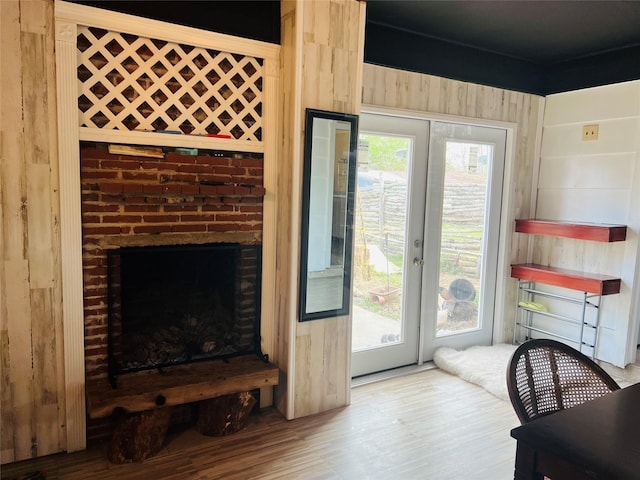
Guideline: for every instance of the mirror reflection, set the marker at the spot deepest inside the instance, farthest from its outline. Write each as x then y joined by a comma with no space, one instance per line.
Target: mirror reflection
328,189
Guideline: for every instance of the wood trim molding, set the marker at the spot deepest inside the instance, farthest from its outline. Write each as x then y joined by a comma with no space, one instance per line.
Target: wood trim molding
271,146
161,140
71,235
291,19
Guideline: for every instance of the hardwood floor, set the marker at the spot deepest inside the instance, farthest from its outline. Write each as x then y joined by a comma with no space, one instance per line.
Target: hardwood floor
428,425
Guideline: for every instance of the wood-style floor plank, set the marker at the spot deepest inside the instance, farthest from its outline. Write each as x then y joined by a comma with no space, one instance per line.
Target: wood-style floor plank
425,425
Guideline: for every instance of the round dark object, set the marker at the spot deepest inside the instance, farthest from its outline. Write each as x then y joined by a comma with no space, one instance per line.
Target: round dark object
462,289
160,400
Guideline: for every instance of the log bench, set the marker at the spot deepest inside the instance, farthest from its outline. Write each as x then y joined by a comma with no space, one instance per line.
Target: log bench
141,403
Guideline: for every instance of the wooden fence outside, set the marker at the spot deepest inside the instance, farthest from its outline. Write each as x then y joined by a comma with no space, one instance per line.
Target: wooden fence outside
381,221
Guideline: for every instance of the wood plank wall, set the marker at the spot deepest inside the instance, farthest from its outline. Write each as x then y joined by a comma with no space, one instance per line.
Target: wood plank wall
595,181
323,48
31,351
387,87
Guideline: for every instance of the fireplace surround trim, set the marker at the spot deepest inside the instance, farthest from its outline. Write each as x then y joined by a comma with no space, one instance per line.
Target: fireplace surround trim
67,17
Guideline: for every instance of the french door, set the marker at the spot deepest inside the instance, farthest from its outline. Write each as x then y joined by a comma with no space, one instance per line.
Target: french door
427,221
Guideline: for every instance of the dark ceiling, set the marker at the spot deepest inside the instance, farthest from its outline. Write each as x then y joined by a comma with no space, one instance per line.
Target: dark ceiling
535,46
538,47
542,32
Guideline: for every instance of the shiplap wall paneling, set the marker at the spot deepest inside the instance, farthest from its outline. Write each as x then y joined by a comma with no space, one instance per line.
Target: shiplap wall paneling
587,181
333,47
595,181
323,48
391,88
11,226
289,167
33,400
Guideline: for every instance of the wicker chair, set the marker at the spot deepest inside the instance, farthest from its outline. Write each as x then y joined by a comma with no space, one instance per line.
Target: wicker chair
545,376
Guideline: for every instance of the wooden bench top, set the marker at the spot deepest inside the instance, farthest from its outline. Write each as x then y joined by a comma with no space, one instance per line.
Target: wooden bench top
179,384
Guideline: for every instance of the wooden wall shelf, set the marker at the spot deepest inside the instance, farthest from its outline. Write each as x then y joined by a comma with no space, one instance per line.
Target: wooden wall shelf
598,232
593,285
572,279
151,389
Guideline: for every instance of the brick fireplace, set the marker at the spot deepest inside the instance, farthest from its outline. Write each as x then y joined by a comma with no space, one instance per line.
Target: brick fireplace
224,83
170,199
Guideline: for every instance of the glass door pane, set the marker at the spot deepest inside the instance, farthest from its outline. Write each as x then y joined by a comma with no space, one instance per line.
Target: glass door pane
463,219
389,223
464,203
380,224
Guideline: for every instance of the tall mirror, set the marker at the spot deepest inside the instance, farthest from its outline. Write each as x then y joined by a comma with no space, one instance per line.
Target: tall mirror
327,214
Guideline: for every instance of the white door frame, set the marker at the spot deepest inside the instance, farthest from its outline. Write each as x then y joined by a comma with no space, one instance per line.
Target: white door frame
405,352
441,134
501,325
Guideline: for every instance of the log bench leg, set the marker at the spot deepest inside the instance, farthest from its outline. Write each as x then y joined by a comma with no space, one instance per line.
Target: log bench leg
137,436
224,415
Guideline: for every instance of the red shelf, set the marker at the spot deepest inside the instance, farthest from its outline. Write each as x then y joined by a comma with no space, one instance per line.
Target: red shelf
560,277
598,232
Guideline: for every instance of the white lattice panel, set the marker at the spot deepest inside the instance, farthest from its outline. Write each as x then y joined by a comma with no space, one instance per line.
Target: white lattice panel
128,82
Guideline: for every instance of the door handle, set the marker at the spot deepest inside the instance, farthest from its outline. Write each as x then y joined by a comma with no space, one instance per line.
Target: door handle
418,262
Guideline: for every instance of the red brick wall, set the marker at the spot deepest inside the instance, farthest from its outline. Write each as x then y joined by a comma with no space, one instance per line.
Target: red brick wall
129,200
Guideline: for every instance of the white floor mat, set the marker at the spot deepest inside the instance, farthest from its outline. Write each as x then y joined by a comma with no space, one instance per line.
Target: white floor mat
484,366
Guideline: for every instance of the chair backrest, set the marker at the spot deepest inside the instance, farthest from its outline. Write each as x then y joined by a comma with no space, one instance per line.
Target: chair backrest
545,376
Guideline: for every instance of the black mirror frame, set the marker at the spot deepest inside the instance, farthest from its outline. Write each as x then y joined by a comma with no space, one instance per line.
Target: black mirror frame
344,309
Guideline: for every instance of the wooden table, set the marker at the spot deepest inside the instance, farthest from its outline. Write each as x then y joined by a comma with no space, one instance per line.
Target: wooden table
599,439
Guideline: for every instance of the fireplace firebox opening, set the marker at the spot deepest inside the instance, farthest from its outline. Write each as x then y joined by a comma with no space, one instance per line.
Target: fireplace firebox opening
172,305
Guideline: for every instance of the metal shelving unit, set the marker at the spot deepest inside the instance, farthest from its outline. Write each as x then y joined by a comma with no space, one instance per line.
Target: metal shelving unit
593,286
525,315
